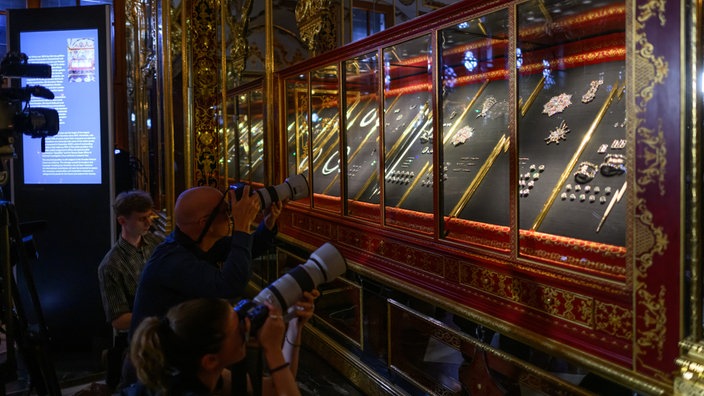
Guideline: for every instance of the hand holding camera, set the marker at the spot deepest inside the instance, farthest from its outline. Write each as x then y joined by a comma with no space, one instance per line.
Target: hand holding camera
244,210
271,334
273,214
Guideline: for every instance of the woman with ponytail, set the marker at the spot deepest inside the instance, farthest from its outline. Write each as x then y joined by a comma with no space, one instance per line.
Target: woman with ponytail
188,351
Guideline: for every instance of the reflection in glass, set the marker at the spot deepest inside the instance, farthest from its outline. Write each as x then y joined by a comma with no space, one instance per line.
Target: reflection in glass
325,132
297,125
241,142
571,121
362,135
256,137
475,122
408,132
245,137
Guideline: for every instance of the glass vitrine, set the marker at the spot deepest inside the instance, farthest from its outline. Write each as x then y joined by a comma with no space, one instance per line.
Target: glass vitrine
526,172
297,135
362,131
571,117
491,126
408,130
325,134
474,102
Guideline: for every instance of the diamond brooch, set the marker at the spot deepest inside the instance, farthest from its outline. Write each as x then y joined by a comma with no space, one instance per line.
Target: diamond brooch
557,104
557,134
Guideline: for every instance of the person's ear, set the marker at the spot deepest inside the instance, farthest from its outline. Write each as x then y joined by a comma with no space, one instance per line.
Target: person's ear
121,220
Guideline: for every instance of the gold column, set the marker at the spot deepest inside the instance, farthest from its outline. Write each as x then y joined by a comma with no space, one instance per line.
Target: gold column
204,68
269,92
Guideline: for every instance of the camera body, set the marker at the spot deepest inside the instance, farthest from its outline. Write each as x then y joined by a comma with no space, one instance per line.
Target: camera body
324,265
16,117
293,188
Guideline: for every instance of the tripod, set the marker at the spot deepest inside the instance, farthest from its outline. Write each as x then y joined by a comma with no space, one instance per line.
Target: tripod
24,329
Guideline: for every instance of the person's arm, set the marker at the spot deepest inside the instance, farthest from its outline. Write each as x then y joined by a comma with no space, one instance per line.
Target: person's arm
304,310
270,337
292,344
266,231
273,214
181,270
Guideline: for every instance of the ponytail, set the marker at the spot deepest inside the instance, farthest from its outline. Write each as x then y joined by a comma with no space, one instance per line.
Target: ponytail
161,349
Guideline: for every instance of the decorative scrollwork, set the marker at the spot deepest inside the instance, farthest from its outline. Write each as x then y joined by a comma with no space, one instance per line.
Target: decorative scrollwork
238,38
316,24
651,239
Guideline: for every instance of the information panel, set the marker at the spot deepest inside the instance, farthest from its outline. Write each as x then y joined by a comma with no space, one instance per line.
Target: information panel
72,156
66,182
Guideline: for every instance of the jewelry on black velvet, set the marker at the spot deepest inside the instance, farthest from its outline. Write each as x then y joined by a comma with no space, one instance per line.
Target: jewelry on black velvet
585,172
557,104
615,158
618,144
557,134
462,135
488,104
614,165
591,93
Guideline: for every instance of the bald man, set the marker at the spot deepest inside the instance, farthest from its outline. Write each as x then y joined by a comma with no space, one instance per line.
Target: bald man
209,253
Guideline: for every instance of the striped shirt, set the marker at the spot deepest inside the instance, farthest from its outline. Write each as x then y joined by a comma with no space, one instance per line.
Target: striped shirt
119,272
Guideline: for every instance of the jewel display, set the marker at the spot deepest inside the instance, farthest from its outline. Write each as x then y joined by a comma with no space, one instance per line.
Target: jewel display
462,135
557,104
557,134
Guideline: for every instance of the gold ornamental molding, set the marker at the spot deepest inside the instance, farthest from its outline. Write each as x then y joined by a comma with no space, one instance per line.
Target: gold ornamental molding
205,93
650,71
238,38
316,24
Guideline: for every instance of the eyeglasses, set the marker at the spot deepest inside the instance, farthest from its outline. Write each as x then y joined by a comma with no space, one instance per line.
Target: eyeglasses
214,214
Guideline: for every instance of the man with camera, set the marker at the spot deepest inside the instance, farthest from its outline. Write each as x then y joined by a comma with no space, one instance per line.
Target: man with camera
209,254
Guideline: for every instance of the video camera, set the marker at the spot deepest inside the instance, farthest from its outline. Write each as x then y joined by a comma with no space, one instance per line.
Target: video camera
324,265
16,116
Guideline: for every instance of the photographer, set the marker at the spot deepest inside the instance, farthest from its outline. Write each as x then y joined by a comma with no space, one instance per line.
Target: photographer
209,254
189,350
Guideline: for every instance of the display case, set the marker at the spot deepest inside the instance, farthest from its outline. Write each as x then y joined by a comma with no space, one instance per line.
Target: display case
505,162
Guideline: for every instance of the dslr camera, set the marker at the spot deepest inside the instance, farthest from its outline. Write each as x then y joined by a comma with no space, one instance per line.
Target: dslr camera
324,265
293,188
